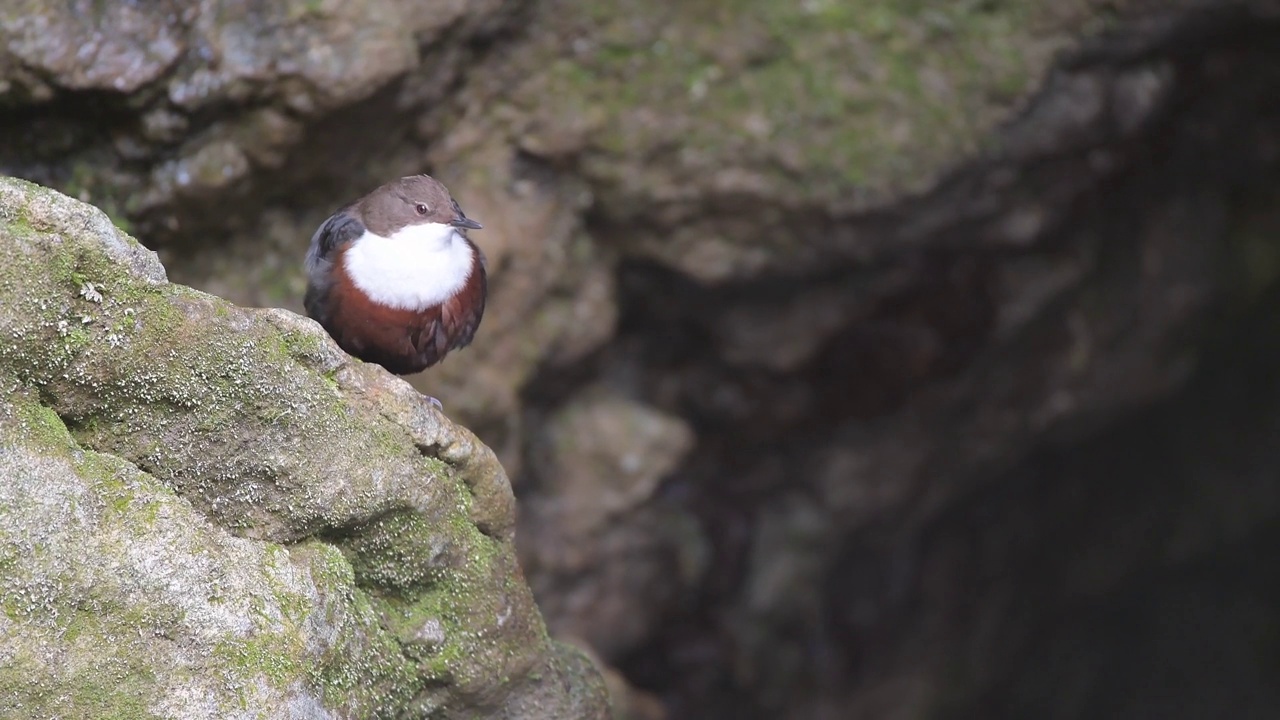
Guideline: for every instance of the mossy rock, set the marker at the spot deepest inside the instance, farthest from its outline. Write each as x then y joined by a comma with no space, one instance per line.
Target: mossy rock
210,511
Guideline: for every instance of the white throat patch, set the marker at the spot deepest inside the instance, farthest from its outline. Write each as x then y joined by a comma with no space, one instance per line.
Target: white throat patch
413,269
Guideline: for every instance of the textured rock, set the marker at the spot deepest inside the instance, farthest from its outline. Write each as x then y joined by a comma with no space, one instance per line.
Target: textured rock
894,532
213,512
606,554
945,296
714,135
192,102
115,47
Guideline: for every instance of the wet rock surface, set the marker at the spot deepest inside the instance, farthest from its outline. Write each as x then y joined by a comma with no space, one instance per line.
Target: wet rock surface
848,359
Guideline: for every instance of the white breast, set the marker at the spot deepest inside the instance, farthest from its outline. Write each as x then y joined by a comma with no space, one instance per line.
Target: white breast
413,269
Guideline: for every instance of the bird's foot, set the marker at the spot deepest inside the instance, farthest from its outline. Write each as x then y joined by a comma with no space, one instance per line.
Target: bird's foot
434,401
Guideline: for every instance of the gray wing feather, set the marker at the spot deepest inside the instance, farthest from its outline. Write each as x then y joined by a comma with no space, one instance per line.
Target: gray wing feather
338,230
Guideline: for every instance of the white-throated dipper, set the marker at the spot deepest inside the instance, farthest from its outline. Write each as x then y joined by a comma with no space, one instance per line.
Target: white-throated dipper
394,278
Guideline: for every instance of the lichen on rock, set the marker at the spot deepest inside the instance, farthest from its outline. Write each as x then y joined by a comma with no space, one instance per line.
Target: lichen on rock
210,511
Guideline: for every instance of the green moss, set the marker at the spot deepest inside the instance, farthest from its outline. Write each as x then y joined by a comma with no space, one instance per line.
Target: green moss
868,92
328,565
277,650
436,573
118,683
95,697
301,345
43,425
458,604
136,507
400,552
296,607
14,220
363,670
435,662
262,654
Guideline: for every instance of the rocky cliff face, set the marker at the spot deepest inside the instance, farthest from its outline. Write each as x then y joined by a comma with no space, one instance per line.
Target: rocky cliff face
863,358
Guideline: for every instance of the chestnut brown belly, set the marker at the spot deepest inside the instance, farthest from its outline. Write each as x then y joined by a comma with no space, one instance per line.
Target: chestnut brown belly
386,336
403,341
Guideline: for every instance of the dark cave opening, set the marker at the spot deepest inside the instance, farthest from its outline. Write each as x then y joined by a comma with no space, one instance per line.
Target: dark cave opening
1214,144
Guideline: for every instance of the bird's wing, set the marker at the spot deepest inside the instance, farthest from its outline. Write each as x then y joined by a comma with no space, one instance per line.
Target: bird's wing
335,232
338,230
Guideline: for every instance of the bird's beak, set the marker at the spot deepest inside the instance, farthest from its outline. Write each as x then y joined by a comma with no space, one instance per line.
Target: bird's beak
462,221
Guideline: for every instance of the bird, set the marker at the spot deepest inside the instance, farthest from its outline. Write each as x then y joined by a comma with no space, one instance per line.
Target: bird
394,279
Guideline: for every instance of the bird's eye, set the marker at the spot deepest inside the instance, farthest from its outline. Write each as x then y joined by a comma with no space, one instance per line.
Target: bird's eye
421,208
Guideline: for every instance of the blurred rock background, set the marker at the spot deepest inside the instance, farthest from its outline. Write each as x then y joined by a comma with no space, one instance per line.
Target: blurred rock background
861,359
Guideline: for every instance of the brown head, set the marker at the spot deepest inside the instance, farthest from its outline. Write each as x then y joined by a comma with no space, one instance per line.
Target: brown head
412,200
